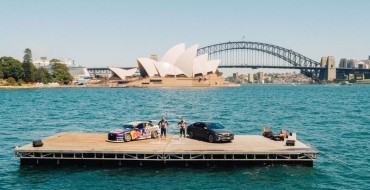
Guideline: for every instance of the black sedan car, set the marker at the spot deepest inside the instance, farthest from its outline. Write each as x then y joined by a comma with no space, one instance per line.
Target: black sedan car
212,132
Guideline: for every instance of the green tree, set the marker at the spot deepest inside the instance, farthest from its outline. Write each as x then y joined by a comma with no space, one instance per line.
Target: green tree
43,75
28,67
60,72
1,71
11,68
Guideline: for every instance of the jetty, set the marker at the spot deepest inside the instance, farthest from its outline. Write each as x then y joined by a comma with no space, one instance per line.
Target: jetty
92,149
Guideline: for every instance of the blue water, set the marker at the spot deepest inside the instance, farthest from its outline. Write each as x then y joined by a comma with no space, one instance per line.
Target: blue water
333,119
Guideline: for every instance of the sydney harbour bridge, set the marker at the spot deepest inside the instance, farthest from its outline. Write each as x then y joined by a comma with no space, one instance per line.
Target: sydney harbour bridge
244,54
260,55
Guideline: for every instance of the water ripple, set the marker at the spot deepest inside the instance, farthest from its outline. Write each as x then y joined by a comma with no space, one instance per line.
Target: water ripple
334,120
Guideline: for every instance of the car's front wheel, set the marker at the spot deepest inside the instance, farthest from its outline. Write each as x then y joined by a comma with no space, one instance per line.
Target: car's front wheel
154,134
210,139
127,137
191,134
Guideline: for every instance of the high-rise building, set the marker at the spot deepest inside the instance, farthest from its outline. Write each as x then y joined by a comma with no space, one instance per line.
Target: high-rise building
352,64
343,63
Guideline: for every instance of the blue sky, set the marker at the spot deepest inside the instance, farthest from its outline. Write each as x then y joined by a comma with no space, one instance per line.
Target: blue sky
115,33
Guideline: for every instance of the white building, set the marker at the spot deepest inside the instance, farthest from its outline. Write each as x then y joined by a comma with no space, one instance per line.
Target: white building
178,61
78,72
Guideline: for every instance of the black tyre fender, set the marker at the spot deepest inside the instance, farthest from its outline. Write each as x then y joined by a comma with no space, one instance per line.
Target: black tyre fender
211,139
127,137
154,134
191,134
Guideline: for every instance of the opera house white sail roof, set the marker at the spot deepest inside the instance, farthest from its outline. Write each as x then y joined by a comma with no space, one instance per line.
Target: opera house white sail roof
178,61
122,73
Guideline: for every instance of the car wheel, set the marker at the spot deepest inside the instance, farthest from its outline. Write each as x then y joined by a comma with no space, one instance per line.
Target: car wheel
210,138
127,137
191,134
154,134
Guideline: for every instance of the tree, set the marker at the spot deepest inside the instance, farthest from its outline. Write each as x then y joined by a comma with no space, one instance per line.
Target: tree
11,68
43,75
60,72
28,67
1,70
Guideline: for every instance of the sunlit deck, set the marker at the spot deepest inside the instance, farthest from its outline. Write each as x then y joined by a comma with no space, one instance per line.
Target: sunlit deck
93,146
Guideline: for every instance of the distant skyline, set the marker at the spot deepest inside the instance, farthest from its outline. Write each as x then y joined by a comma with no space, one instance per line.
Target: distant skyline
114,33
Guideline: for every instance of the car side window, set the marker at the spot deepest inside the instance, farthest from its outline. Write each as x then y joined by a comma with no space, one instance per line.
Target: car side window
196,125
140,126
202,125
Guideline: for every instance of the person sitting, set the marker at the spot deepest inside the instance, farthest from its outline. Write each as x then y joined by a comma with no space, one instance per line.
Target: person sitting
283,134
267,132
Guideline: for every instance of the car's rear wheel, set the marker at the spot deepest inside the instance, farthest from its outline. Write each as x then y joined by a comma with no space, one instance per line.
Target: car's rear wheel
191,134
127,137
155,134
210,139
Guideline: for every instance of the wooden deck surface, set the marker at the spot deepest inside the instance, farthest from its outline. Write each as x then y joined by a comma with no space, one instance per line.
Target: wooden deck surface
96,142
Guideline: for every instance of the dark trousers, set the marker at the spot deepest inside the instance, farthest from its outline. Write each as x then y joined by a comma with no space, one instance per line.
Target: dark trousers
182,131
163,131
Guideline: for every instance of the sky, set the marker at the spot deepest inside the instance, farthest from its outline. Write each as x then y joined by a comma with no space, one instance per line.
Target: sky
102,33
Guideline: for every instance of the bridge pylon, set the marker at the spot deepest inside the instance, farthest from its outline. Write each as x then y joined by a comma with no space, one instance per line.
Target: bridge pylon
328,71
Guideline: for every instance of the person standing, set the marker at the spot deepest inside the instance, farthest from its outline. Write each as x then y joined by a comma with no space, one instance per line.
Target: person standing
163,124
182,125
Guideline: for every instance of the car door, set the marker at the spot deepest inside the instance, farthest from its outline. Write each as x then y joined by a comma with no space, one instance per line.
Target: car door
195,128
203,131
148,128
141,128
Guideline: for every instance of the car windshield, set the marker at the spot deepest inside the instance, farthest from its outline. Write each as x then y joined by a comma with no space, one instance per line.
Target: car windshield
215,126
127,126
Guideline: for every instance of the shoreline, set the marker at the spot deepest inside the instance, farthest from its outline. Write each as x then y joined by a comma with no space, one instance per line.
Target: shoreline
106,86
35,87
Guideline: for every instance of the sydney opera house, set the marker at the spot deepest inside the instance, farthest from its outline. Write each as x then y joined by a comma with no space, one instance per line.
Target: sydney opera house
179,67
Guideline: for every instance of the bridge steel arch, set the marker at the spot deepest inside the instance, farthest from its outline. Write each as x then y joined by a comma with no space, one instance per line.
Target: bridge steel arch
308,67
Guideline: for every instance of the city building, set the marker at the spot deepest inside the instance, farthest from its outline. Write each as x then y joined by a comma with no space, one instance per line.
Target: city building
78,72
354,64
42,62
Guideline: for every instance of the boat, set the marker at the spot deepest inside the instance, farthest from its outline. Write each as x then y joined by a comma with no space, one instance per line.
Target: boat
346,83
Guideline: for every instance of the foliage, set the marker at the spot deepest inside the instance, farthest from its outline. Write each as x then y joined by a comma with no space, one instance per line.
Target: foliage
1,71
27,56
11,81
28,67
43,75
20,82
11,68
60,72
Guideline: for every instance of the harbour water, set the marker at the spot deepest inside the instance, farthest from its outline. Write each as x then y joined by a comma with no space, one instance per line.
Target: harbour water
333,119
